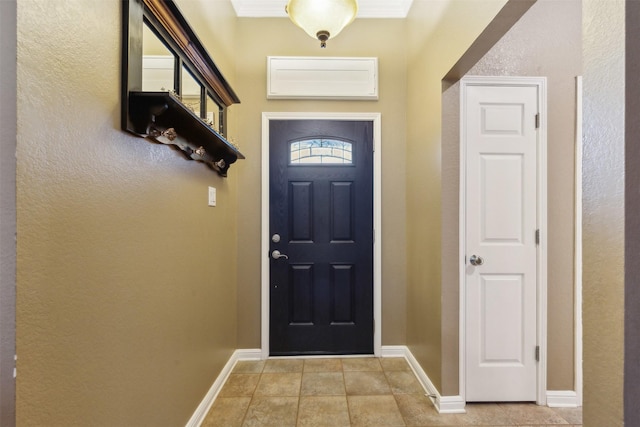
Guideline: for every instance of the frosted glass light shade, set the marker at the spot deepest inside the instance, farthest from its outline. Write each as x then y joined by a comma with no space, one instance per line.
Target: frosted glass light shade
322,19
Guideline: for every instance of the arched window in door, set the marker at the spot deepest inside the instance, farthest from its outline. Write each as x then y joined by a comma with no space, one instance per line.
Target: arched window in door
320,151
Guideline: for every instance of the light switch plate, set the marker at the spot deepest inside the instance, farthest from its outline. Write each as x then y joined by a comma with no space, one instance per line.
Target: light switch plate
212,196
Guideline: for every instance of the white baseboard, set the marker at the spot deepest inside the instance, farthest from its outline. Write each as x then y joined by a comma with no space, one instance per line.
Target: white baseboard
444,404
201,411
562,399
393,351
451,405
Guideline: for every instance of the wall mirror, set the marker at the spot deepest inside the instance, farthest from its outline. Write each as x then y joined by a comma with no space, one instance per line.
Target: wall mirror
190,91
158,63
172,91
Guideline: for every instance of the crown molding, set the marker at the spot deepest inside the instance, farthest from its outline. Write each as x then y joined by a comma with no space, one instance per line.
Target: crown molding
367,8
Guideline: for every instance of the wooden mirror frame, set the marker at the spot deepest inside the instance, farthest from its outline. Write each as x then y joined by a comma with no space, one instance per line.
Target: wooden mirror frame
161,116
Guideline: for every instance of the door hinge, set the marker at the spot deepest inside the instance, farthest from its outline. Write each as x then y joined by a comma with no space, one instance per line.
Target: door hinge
537,353
538,121
538,236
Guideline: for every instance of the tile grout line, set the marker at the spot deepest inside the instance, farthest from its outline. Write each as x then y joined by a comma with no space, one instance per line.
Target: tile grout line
304,362
346,393
253,394
346,398
395,398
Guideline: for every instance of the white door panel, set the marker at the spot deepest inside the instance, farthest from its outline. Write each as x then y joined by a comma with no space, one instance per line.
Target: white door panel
501,207
501,187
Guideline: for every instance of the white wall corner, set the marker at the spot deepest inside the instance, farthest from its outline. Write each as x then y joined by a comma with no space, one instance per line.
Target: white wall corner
203,408
578,247
562,399
443,404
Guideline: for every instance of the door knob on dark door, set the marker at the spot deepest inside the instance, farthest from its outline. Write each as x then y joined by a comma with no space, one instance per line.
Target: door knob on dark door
277,255
476,260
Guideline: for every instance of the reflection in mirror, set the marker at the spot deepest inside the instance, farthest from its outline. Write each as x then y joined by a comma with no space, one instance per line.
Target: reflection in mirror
191,91
213,110
158,64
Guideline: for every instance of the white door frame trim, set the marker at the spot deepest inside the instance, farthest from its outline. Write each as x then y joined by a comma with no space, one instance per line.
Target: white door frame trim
376,119
541,84
578,246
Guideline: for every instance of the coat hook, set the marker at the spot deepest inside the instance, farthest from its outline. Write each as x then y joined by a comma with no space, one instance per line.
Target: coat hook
200,151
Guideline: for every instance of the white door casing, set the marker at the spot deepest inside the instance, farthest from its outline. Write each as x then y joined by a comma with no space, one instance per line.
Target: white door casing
500,228
377,216
503,198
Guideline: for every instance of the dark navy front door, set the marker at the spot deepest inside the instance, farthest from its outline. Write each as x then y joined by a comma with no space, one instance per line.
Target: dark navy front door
321,227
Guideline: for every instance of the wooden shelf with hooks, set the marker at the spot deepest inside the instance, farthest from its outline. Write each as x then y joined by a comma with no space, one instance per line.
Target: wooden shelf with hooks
162,117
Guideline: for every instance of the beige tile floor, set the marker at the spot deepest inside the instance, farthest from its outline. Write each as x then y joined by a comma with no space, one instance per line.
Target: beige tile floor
354,392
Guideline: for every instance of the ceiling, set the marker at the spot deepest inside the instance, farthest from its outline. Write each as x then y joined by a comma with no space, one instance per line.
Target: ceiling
366,8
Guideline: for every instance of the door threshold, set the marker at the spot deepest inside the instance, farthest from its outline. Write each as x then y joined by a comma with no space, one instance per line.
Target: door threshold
322,356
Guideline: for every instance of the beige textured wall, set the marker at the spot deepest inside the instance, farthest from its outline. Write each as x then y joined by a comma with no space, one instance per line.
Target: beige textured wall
431,55
126,279
557,22
259,38
603,208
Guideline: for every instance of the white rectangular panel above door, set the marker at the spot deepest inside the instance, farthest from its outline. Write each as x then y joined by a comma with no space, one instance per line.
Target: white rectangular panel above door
291,77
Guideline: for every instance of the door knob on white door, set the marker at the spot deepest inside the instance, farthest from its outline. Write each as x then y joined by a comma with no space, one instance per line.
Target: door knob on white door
476,260
277,255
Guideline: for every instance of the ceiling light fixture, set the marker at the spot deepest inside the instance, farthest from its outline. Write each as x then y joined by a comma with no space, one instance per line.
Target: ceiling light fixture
322,19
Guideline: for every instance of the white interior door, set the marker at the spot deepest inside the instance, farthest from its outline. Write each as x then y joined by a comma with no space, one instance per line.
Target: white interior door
500,134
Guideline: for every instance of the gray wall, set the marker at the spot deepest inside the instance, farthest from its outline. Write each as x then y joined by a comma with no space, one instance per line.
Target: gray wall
7,209
632,219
